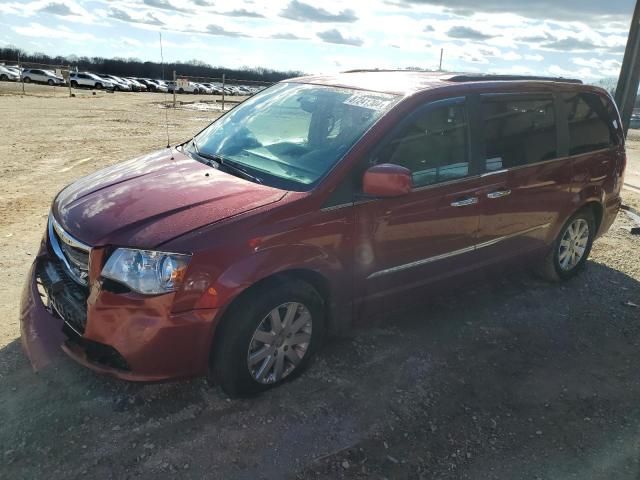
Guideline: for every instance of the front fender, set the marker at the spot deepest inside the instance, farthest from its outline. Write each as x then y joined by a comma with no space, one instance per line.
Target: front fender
279,259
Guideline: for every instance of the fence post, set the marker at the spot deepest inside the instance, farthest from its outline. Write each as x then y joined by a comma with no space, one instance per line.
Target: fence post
69,80
223,77
21,76
175,87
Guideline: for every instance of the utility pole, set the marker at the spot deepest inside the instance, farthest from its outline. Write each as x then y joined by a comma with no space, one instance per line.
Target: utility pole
627,89
441,55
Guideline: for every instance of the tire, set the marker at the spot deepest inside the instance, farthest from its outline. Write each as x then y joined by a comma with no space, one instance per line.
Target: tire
74,84
51,82
235,342
569,253
181,90
4,77
98,86
27,80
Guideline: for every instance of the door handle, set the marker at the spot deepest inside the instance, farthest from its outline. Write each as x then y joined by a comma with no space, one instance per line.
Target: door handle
499,194
465,202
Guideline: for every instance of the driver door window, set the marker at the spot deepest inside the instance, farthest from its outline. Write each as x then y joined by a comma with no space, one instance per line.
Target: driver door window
434,145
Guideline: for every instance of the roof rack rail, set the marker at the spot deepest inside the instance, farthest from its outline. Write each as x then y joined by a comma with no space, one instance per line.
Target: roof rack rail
500,78
386,70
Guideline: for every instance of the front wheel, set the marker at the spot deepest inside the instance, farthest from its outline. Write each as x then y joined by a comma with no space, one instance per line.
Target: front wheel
98,86
268,338
4,77
571,248
51,82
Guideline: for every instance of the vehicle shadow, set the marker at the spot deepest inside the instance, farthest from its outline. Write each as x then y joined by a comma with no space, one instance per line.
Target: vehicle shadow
506,378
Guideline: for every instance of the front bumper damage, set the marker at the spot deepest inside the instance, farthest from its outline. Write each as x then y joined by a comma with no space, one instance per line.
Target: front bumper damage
126,335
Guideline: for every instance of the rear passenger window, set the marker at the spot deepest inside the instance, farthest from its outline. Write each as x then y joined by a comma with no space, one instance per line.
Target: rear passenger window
518,130
591,126
433,145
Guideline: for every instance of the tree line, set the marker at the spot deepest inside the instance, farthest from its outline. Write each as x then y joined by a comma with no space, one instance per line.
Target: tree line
133,67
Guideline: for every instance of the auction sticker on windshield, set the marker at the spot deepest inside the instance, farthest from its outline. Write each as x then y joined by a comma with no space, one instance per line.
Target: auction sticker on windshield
370,101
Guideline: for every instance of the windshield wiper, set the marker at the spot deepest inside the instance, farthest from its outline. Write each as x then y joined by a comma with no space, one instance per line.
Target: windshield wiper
219,160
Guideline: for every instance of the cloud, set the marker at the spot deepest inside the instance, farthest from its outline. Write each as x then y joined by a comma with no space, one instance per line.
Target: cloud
218,30
334,36
468,33
585,10
285,36
570,44
163,4
534,58
57,9
429,28
242,12
40,31
306,13
120,15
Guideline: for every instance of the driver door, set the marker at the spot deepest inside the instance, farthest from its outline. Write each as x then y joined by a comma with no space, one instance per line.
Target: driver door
405,242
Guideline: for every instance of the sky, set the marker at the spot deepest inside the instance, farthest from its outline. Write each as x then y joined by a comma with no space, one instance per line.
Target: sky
576,38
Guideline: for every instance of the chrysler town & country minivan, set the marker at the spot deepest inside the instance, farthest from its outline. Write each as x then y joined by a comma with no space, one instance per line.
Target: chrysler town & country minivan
237,252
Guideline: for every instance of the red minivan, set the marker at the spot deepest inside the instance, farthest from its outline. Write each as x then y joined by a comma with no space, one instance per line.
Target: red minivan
316,202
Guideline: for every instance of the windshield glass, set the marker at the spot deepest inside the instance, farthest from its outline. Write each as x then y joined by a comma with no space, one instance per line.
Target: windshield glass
290,135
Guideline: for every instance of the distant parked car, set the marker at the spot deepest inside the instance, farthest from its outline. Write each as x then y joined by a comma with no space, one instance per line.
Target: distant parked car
150,84
204,88
119,84
91,80
7,74
136,85
187,87
635,121
162,85
41,76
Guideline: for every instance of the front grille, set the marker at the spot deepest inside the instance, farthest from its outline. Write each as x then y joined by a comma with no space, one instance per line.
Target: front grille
72,253
62,295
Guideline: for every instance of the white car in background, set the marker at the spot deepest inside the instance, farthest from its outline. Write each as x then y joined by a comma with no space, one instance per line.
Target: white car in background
7,74
137,86
204,88
118,84
186,87
41,76
91,80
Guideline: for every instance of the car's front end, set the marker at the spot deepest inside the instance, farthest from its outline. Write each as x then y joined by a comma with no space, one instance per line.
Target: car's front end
68,303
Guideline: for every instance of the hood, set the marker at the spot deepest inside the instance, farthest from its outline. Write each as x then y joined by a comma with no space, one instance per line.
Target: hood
152,199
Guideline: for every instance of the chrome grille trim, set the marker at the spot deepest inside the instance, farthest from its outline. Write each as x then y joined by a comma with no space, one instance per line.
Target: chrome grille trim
62,244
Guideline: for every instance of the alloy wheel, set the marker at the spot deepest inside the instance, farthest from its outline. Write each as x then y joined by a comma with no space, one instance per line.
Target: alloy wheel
573,244
279,343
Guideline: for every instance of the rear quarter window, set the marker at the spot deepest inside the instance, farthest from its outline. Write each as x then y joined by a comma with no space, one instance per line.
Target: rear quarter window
518,130
593,124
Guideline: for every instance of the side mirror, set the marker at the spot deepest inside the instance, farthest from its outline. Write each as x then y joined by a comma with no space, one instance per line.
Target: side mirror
387,180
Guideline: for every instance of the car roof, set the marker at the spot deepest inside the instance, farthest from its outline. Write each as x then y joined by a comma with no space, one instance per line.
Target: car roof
407,82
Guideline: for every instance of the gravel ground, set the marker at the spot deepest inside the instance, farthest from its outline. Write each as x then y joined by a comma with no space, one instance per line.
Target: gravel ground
509,378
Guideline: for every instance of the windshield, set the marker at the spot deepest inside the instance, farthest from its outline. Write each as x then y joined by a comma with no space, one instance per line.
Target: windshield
290,135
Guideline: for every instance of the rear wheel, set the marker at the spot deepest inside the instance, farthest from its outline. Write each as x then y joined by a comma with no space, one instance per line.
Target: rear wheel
27,80
571,248
74,84
4,77
98,86
51,82
268,339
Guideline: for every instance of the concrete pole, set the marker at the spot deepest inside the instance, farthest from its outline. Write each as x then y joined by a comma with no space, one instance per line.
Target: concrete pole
627,89
175,86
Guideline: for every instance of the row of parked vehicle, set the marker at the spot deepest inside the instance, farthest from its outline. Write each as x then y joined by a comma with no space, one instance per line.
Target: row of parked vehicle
122,84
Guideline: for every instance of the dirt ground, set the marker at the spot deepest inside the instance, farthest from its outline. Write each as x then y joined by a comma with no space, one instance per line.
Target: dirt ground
511,378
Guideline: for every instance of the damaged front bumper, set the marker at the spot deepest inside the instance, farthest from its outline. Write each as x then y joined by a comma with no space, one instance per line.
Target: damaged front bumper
126,335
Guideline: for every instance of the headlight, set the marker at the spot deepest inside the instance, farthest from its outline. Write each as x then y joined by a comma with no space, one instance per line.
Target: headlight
147,271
